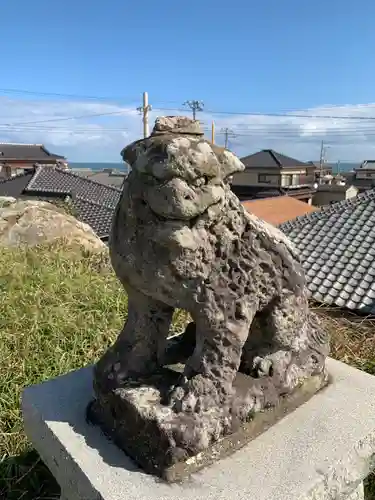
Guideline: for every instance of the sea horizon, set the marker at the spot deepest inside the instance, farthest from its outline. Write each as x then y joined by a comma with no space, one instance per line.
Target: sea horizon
97,166
89,165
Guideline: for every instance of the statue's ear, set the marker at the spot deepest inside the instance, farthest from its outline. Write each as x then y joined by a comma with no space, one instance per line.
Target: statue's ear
130,153
229,163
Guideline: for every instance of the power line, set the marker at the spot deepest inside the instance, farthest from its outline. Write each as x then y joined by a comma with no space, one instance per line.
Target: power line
70,96
134,99
279,115
258,132
195,109
92,115
286,114
239,129
103,99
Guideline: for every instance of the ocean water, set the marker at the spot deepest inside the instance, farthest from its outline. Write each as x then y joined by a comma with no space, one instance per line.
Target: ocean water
98,166
342,167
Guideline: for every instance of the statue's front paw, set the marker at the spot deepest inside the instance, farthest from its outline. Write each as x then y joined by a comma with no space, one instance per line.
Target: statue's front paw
117,373
262,367
193,395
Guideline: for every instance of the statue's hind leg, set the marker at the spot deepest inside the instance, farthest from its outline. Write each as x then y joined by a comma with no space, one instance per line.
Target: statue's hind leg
287,344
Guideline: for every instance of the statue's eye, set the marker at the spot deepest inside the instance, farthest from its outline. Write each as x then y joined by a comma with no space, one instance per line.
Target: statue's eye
158,158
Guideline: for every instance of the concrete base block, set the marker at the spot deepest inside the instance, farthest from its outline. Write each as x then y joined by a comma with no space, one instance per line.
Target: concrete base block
323,450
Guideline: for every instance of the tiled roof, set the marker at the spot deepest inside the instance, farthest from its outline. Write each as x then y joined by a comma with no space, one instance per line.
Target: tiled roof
337,248
255,192
59,181
98,216
279,209
14,186
94,202
267,158
368,165
14,151
333,188
108,178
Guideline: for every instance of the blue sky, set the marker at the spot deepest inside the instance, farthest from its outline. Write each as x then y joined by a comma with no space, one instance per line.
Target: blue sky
270,57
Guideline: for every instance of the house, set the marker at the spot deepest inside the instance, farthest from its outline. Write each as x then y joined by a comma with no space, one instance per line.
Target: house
363,177
278,210
272,170
94,203
337,250
16,158
332,193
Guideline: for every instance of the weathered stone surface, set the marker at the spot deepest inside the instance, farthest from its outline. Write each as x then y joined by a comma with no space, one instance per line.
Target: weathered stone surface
31,222
181,239
5,201
144,432
176,125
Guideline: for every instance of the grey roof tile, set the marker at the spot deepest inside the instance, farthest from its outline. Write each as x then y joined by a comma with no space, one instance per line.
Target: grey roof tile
15,151
337,247
94,202
98,216
56,180
14,186
351,305
339,301
318,296
271,159
367,301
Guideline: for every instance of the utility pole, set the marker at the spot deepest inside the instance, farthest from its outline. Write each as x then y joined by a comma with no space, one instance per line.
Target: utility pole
321,162
143,110
227,132
194,106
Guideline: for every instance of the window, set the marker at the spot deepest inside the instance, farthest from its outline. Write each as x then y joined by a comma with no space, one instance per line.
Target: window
268,179
263,178
286,180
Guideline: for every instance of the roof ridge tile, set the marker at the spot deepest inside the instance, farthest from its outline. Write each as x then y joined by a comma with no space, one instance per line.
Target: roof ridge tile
87,179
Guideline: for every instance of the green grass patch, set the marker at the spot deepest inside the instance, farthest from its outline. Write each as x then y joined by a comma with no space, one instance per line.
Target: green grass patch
59,309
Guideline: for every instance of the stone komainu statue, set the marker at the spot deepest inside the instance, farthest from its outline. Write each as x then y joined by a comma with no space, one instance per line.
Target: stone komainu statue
181,239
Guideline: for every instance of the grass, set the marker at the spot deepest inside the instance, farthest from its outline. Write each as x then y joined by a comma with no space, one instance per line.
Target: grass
59,309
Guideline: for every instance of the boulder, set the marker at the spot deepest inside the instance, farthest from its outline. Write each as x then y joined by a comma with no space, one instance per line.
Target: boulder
32,222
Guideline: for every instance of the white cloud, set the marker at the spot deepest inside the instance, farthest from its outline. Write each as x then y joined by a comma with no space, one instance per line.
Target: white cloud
101,138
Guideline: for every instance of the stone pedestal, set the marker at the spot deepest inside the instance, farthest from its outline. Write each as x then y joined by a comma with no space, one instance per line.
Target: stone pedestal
322,450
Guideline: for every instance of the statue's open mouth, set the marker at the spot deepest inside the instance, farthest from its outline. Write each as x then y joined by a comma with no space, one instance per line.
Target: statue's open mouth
188,221
176,199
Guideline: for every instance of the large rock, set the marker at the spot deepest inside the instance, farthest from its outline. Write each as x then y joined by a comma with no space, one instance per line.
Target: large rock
31,222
